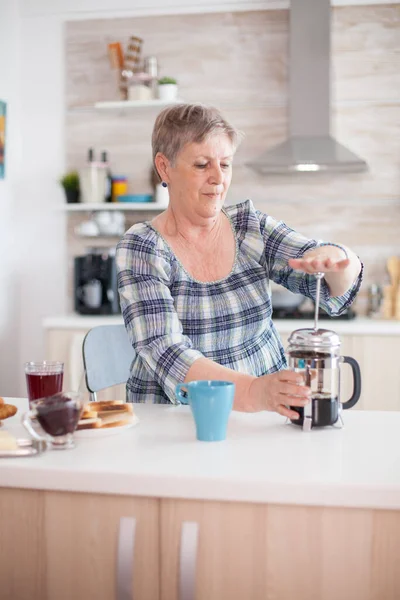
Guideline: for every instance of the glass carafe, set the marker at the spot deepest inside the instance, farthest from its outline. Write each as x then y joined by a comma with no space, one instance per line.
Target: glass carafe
316,354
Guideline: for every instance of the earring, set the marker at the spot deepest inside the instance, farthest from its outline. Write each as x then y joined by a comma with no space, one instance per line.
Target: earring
164,184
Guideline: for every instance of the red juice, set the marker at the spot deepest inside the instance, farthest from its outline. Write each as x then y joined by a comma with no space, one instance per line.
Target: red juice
42,385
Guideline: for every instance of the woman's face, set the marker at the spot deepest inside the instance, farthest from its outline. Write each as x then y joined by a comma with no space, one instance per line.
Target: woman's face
199,180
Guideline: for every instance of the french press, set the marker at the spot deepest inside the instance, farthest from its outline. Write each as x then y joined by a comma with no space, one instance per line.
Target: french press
316,353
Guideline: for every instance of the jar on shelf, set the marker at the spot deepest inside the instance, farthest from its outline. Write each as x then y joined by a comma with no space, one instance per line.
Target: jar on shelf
119,187
139,89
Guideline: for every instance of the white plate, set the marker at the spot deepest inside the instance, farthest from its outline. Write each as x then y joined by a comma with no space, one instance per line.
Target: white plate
104,431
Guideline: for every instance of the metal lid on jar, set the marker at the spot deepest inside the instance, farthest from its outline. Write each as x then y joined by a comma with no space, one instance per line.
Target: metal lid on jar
314,339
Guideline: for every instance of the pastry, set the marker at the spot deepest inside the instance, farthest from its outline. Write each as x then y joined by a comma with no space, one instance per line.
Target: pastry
7,410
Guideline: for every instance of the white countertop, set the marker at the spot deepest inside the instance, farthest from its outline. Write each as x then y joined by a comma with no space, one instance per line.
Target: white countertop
263,460
357,326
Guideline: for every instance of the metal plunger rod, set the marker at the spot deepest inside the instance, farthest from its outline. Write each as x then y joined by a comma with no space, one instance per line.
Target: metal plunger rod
318,276
320,376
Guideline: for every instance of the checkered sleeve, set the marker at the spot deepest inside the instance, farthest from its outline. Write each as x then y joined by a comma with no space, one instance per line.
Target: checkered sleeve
282,243
153,326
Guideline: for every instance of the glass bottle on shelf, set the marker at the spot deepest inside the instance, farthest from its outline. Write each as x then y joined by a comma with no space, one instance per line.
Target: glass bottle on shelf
93,180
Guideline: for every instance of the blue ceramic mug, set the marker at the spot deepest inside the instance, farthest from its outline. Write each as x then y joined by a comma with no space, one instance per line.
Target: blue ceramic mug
211,404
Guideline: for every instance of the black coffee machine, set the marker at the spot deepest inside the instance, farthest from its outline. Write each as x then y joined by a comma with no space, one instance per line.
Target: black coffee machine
95,283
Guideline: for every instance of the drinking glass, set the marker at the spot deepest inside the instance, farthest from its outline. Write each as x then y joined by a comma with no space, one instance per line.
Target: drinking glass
43,379
58,416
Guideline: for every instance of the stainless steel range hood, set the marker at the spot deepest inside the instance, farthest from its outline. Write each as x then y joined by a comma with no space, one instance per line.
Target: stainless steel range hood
310,146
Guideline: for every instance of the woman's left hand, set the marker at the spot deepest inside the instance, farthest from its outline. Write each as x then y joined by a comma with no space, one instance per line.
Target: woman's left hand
322,264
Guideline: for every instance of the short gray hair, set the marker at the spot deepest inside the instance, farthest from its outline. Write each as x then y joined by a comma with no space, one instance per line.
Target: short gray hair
182,124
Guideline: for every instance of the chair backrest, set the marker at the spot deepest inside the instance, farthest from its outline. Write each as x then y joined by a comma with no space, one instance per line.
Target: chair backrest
107,356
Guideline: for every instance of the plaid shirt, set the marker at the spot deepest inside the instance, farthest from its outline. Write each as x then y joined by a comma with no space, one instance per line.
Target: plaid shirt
172,319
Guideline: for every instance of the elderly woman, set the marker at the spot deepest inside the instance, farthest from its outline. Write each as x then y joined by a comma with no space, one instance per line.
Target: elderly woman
194,281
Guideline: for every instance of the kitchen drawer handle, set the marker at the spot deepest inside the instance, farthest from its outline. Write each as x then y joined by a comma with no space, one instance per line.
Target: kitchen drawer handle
125,557
187,560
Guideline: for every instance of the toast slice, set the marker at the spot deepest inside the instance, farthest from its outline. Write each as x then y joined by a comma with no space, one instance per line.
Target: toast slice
103,405
116,410
106,413
89,424
92,409
119,423
88,414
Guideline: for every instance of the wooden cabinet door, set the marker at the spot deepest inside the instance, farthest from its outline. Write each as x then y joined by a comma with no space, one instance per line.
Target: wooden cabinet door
231,549
22,545
82,533
378,356
259,552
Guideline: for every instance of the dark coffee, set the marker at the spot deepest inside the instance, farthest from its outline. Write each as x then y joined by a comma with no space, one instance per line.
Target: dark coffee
309,355
325,410
58,415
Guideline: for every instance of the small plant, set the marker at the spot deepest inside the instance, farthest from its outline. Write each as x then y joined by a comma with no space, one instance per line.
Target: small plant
70,181
167,81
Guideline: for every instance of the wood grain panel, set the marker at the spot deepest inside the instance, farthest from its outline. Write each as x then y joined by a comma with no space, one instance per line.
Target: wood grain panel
365,46
283,552
312,556
228,43
385,574
22,545
231,546
81,542
379,357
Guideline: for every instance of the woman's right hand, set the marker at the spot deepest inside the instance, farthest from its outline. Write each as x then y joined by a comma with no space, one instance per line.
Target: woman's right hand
277,391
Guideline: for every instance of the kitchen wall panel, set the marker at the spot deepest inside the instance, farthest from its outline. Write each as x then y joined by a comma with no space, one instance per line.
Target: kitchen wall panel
238,61
365,46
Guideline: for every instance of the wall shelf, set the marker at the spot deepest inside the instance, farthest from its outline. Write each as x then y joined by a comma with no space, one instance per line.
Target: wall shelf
118,105
124,206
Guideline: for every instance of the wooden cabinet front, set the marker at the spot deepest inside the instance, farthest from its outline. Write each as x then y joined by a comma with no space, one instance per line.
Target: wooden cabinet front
81,539
282,552
22,544
230,561
60,545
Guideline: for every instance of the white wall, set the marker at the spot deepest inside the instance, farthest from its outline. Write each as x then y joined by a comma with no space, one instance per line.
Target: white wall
9,92
41,225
